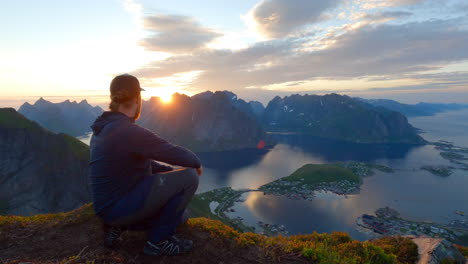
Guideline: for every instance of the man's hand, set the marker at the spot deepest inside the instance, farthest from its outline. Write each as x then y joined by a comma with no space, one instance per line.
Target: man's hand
199,171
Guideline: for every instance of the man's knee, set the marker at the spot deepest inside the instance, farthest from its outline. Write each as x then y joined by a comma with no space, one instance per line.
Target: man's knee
192,176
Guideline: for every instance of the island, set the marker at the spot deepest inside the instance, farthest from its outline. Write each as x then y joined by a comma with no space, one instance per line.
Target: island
454,154
442,171
302,183
339,178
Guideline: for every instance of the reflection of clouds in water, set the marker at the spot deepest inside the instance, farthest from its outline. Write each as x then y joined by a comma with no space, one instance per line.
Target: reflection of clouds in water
301,216
254,198
209,180
327,212
281,161
416,157
273,207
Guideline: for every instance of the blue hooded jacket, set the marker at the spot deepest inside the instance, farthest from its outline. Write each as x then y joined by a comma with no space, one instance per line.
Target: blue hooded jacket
123,153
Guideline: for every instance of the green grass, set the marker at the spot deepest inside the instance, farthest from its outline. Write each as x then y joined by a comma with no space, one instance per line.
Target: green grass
334,248
84,213
201,207
9,118
79,148
313,174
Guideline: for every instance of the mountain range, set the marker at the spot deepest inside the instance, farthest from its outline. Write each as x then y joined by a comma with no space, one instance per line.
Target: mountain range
413,110
219,121
40,171
338,117
68,117
204,122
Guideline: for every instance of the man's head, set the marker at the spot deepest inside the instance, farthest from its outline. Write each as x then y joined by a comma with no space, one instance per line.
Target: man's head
125,94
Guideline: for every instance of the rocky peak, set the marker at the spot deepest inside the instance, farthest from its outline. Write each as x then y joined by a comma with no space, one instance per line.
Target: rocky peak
42,102
203,95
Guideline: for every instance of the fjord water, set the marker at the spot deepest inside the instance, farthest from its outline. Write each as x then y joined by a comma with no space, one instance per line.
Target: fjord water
450,126
416,194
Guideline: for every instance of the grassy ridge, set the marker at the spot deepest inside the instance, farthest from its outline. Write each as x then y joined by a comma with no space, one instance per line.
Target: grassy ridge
337,247
9,118
313,174
200,207
79,148
78,215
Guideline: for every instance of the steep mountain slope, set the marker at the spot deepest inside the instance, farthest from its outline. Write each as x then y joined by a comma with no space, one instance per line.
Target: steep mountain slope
338,117
40,171
66,117
411,110
203,122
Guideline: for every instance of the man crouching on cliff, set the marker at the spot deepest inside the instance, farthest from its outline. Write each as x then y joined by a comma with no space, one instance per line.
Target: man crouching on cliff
130,189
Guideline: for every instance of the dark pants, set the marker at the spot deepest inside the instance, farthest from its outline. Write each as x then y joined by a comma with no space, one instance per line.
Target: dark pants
155,204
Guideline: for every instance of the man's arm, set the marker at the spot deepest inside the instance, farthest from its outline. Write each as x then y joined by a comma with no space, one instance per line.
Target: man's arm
158,167
148,144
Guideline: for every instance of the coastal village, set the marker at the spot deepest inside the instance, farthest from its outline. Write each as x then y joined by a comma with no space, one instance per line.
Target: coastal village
299,188
387,222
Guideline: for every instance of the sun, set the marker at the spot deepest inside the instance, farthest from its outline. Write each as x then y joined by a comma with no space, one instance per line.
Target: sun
166,98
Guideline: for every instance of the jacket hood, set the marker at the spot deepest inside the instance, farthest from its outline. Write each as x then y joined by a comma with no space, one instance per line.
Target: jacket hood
106,118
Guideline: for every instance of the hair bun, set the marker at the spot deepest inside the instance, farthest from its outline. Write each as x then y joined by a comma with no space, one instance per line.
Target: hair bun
121,96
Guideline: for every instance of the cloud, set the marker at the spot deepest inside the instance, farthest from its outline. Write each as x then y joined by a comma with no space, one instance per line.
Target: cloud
371,4
278,18
389,49
386,16
366,52
176,34
223,69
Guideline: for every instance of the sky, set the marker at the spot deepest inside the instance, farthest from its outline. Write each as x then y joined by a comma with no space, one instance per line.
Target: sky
407,50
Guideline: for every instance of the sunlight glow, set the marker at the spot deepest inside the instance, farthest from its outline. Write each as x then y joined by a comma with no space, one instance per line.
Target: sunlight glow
163,93
166,98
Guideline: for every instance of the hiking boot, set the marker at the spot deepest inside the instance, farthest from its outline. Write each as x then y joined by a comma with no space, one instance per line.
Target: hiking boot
112,236
170,247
